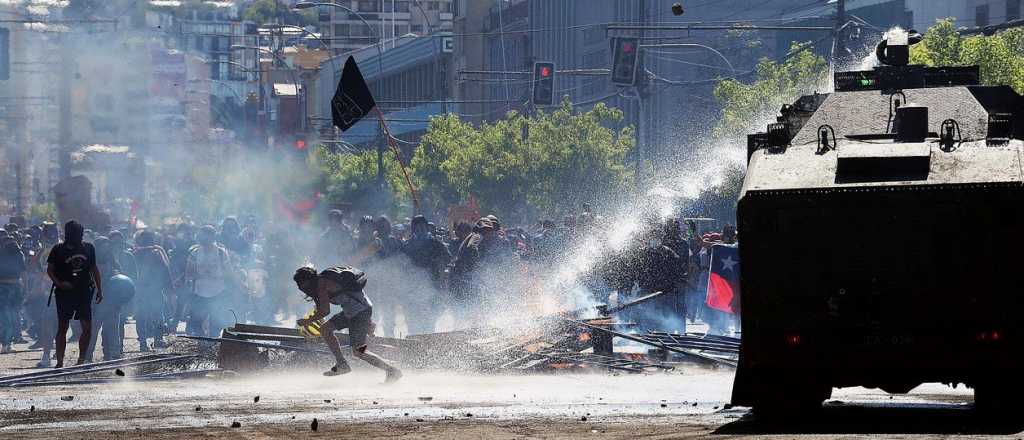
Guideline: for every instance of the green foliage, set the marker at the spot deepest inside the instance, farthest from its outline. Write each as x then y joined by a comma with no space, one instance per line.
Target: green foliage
566,158
217,188
42,212
352,178
776,84
269,11
1000,56
84,8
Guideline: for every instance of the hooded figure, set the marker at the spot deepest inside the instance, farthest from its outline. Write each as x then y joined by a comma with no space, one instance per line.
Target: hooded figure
427,251
154,279
12,266
71,266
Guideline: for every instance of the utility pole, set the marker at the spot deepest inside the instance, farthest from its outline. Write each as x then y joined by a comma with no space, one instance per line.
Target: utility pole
840,43
19,123
641,91
67,64
380,157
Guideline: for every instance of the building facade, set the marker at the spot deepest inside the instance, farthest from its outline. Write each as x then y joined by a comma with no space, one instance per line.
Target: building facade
382,20
410,83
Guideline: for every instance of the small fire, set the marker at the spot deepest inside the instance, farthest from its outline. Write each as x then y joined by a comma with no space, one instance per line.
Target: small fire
583,337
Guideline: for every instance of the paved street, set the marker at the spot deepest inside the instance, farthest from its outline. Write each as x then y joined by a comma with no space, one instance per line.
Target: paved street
687,404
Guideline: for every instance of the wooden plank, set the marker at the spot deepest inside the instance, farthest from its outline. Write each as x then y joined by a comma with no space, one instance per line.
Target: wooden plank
88,366
140,378
102,368
259,344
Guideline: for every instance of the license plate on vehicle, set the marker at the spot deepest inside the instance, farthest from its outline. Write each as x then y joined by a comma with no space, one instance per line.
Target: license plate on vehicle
888,339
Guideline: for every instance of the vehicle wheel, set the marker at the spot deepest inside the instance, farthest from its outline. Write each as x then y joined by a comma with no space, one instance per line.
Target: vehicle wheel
791,400
997,396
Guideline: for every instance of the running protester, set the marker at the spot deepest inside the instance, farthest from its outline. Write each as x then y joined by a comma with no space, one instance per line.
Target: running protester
342,286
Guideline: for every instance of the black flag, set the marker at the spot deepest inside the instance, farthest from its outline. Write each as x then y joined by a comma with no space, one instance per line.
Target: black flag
353,99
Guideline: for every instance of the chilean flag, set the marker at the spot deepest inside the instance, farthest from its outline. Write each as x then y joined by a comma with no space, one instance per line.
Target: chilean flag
724,278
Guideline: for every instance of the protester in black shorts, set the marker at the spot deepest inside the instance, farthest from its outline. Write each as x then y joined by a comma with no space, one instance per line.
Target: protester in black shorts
72,268
342,286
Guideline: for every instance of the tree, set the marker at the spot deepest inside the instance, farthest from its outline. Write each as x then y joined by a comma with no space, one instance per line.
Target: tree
352,179
548,163
269,11
776,84
1000,57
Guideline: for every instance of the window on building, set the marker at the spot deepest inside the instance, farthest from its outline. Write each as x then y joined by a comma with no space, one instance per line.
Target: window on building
341,30
595,60
361,30
369,6
198,43
1012,9
592,35
403,6
981,15
104,102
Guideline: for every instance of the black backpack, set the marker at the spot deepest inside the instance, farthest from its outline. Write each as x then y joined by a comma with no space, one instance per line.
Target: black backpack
349,278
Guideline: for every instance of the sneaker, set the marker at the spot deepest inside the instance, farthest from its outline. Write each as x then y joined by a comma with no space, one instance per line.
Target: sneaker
60,364
37,345
44,363
338,370
20,340
6,348
393,375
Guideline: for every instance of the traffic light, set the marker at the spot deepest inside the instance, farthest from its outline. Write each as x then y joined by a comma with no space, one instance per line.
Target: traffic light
5,54
625,59
543,83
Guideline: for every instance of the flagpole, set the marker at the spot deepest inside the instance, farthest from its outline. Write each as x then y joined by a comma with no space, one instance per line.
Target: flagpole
398,158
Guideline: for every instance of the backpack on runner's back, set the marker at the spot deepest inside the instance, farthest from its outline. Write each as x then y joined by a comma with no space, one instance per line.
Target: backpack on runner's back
349,278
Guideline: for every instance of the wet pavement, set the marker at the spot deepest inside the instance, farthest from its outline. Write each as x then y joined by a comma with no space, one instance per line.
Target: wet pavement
690,402
686,404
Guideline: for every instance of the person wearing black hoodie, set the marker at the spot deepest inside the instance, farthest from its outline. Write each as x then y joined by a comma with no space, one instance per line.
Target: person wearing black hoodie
76,278
12,267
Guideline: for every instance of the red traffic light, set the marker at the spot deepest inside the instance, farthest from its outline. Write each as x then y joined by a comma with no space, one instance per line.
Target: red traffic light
545,71
300,144
627,46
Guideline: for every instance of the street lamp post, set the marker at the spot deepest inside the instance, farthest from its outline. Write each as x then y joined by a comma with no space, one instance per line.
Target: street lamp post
295,81
334,66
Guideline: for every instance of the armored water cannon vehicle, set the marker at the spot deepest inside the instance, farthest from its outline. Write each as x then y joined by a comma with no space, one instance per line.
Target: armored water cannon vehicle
883,229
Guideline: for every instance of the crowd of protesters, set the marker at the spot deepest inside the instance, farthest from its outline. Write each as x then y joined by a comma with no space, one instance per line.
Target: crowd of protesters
203,277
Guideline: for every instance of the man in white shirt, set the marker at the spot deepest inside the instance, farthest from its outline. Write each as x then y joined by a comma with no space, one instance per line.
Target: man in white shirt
208,269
